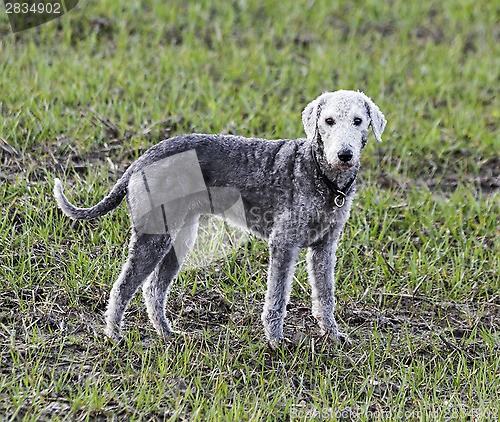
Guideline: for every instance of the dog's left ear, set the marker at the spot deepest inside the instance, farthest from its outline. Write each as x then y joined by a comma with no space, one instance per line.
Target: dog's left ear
310,117
378,121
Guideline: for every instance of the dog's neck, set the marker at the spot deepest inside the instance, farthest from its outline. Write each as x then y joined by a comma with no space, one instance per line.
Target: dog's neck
339,182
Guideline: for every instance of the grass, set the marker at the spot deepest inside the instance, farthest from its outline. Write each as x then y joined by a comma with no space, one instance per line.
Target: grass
418,269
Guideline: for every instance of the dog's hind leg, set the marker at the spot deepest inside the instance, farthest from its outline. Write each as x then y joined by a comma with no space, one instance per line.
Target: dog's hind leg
145,251
155,289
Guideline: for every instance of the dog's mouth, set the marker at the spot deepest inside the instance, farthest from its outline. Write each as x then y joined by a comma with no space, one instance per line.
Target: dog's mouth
343,166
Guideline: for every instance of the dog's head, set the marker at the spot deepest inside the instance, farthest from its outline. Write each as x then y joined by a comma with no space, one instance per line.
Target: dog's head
339,122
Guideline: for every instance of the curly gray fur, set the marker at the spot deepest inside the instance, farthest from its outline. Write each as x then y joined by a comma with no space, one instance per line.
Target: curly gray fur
285,198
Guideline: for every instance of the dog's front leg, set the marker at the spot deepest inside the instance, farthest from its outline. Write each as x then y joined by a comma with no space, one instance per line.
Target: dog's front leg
279,284
321,265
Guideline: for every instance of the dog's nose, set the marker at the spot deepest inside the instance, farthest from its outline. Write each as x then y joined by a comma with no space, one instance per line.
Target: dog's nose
345,155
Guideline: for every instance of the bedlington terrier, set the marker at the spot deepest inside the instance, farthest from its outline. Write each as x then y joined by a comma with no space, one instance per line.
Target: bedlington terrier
293,193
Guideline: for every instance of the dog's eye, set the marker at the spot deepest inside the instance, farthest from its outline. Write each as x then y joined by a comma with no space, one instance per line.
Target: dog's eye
329,121
357,121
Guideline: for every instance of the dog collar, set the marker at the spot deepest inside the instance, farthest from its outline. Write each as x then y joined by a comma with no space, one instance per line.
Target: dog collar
340,194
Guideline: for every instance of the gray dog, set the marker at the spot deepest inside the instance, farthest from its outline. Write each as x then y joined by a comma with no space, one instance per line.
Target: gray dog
293,193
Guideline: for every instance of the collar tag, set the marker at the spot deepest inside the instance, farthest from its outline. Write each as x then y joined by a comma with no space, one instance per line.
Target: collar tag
339,199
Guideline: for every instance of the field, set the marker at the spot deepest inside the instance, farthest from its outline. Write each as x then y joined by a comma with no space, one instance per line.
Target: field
418,267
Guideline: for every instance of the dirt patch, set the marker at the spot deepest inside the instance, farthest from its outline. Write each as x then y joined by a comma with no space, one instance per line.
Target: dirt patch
446,176
487,180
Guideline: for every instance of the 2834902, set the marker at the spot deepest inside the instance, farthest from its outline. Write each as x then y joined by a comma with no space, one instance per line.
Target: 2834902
42,8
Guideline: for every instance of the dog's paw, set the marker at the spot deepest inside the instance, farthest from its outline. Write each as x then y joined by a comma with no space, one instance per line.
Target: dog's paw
281,344
175,335
115,340
168,334
337,338
334,335
276,343
329,331
343,339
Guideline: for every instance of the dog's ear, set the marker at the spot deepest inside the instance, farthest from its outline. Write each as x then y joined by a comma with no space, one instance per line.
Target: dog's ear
310,117
378,121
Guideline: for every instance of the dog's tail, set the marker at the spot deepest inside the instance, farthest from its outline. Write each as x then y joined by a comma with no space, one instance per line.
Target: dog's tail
109,202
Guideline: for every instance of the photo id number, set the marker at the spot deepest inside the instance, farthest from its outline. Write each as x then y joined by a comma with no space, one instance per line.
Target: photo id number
25,8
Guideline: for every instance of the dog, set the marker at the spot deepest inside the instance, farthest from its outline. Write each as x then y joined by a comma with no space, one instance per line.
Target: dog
295,193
